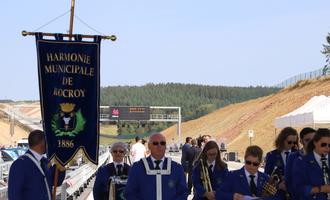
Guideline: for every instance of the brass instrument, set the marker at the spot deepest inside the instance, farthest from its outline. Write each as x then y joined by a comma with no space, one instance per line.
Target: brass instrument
325,172
269,189
205,177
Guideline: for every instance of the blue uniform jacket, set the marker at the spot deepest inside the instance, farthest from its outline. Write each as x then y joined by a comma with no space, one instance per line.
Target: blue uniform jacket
274,158
236,182
102,181
141,186
217,178
306,174
26,181
289,171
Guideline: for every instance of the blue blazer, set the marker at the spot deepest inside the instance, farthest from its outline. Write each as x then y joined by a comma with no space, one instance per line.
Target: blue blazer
274,158
236,182
306,174
143,187
289,173
217,178
102,181
26,181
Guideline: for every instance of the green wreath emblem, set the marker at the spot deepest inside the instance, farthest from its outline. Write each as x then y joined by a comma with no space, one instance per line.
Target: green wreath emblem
80,125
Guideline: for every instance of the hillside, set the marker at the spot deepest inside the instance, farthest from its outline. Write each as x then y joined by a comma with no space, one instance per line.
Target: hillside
195,100
230,124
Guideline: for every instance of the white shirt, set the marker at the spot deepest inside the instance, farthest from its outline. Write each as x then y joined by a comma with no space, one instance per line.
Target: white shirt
318,158
36,155
212,163
247,174
115,164
160,164
138,151
283,155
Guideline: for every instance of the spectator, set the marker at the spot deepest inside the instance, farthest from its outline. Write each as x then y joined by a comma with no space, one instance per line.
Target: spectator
138,150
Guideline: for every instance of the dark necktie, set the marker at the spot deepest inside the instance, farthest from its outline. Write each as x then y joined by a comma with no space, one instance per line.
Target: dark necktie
157,164
210,169
286,156
253,187
43,164
119,169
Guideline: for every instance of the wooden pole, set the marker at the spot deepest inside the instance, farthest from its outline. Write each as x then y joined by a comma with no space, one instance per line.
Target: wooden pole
71,19
55,181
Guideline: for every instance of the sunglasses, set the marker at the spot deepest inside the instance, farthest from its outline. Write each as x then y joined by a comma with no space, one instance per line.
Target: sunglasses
117,151
325,144
256,164
292,142
156,143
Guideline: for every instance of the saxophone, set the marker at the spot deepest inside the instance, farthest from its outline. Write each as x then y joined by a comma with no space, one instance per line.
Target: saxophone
325,170
205,177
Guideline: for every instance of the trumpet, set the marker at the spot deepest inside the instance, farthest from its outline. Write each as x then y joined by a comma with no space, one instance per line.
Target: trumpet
205,177
269,189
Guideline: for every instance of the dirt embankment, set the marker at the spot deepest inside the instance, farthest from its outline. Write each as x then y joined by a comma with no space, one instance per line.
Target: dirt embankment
231,123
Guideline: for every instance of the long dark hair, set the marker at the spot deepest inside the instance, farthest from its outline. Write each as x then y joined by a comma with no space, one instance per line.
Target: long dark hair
286,132
218,162
319,134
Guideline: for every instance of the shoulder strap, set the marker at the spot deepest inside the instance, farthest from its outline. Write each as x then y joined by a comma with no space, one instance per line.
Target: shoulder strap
41,171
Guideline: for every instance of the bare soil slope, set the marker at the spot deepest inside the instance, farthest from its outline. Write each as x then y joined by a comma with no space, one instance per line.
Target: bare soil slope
230,124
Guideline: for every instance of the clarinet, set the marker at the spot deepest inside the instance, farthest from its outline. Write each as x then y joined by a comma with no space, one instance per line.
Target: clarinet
325,173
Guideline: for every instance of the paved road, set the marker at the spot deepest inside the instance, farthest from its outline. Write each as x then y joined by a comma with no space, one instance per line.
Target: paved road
176,157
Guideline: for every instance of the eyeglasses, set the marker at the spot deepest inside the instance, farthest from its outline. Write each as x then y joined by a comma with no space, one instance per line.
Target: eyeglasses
325,144
156,143
292,142
117,151
256,164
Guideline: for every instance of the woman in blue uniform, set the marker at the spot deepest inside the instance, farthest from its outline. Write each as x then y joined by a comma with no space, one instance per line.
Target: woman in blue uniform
305,135
216,168
311,172
116,168
285,143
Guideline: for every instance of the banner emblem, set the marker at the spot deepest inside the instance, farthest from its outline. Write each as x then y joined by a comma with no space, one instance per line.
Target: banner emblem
68,122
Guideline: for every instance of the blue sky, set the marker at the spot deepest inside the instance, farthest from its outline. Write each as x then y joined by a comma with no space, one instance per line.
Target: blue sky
213,42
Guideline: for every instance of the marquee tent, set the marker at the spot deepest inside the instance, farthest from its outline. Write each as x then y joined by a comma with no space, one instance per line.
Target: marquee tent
314,113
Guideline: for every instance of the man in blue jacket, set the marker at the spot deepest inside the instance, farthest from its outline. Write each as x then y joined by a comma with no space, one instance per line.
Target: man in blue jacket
156,177
247,182
29,175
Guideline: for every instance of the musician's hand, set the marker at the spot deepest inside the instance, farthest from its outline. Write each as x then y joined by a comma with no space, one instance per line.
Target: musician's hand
210,195
282,185
325,188
238,196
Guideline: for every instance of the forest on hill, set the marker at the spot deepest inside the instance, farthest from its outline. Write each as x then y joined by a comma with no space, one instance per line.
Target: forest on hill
194,100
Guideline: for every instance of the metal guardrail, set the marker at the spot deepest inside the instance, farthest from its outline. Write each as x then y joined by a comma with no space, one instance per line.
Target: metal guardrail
4,170
76,181
3,193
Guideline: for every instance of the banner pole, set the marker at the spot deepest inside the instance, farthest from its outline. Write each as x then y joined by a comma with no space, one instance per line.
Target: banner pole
55,181
71,19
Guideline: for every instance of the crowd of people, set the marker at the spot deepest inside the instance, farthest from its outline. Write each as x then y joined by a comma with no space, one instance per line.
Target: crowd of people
290,172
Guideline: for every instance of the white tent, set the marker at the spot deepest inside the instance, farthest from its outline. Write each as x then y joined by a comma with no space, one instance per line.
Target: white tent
314,113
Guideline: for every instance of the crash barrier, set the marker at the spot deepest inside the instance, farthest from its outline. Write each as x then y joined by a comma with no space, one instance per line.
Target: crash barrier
77,181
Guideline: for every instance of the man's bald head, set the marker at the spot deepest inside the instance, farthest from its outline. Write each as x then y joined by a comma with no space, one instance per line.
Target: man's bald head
157,145
156,137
